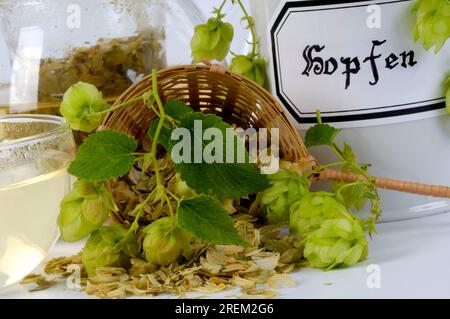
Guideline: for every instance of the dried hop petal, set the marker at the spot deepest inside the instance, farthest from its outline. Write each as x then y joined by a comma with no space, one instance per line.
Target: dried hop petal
81,105
84,210
212,40
432,23
252,67
165,241
338,242
287,188
312,210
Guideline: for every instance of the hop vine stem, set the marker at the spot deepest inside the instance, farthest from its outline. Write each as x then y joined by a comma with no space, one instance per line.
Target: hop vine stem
139,210
162,115
219,11
251,25
358,169
162,118
159,186
118,106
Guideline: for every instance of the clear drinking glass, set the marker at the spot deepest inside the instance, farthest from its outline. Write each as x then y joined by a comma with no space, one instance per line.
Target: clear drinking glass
35,151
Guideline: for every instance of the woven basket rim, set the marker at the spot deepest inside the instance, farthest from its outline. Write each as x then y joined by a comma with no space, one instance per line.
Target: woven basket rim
328,174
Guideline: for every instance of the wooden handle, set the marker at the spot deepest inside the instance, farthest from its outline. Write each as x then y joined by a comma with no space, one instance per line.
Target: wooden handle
388,183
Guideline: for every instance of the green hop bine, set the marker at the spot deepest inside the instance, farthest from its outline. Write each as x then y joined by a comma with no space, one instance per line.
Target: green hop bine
83,107
212,40
432,23
251,66
165,241
312,210
109,246
338,242
84,210
287,188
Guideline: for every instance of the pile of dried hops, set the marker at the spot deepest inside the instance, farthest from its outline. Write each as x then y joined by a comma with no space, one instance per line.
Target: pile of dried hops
204,268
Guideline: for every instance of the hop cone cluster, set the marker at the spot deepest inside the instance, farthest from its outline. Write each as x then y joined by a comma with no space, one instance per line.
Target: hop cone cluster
84,210
432,23
165,241
308,214
338,242
252,67
81,105
212,40
287,188
333,236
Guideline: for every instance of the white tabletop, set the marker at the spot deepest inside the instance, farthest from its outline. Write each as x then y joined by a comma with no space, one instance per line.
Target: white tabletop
412,259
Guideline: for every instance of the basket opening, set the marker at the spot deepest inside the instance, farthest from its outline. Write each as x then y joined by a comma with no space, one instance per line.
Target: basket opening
235,99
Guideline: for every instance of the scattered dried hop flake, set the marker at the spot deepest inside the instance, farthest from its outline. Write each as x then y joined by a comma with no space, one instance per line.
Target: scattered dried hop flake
59,267
246,284
207,269
281,281
258,294
203,268
37,282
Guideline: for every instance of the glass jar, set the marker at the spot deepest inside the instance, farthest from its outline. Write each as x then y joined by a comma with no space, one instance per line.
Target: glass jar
35,151
53,44
408,140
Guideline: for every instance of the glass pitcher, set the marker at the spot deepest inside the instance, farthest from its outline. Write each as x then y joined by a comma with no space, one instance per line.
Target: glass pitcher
53,44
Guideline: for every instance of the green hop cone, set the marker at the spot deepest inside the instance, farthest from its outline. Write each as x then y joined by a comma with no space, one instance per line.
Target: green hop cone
287,188
432,23
338,242
80,106
84,210
165,241
109,246
353,197
212,40
250,66
307,214
181,188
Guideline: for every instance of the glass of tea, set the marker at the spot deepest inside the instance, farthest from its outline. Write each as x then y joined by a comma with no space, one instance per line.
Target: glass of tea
35,151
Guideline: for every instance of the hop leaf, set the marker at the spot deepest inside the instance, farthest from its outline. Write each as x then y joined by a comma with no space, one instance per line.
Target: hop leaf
312,210
165,241
338,242
287,188
432,23
84,210
107,247
80,106
218,178
250,66
321,134
104,155
212,40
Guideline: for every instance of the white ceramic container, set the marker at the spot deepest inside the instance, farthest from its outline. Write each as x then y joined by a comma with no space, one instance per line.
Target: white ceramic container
391,109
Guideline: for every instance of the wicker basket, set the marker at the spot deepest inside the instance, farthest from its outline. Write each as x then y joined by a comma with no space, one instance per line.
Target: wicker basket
212,89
